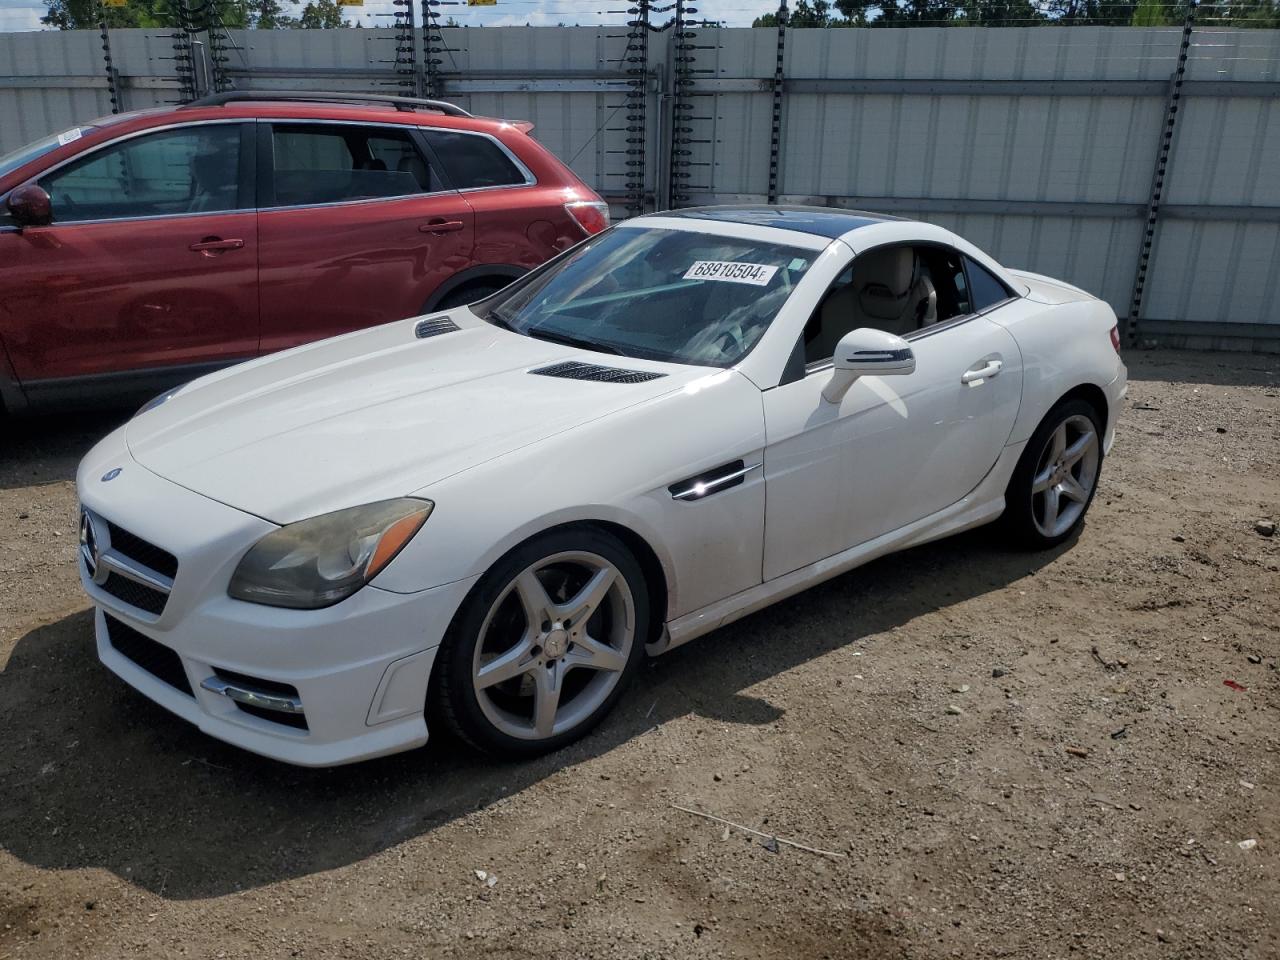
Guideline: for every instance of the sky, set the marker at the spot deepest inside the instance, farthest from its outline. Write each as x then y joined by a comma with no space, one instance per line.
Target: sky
25,14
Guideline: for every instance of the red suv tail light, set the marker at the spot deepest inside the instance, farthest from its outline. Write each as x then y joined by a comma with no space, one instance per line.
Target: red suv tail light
591,215
1115,337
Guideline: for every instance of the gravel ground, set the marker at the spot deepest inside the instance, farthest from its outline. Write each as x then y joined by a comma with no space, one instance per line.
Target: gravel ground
1011,755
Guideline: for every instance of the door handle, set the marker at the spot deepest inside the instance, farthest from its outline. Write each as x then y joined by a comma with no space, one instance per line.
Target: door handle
212,245
440,225
990,369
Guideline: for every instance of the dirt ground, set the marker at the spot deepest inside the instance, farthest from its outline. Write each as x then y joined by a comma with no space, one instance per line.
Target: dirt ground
1013,755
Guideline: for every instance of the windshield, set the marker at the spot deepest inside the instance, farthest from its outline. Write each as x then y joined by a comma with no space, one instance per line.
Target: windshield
12,161
670,295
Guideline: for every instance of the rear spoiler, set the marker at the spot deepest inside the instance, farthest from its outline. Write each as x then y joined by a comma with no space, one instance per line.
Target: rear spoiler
524,126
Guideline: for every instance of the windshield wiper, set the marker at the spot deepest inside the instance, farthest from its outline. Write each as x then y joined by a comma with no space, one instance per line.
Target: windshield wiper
571,341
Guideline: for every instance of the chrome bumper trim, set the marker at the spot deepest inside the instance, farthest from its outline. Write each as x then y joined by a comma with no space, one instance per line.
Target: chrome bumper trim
252,697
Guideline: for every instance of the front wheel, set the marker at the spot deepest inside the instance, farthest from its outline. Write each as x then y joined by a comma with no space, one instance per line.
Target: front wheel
544,644
1056,477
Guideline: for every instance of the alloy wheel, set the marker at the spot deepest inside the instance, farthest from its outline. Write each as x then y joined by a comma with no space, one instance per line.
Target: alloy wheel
554,645
1065,476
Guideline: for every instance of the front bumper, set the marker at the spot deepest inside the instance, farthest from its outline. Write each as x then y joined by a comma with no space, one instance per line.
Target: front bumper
359,669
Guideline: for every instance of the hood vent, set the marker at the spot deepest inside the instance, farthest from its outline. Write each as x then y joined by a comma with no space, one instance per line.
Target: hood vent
433,327
573,370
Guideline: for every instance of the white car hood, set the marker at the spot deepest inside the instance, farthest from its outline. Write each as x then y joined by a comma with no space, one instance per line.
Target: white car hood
374,415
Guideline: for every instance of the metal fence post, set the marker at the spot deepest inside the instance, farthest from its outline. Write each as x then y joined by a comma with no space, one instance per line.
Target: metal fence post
405,61
432,47
184,64
1158,177
775,134
684,81
636,68
113,76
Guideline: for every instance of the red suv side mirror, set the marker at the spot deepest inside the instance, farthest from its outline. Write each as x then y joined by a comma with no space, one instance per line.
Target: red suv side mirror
30,206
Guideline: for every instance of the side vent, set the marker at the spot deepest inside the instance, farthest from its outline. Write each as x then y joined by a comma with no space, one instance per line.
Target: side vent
720,478
573,370
433,327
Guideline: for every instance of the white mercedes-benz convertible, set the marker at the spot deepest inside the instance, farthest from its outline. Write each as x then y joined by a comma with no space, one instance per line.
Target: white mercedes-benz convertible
480,520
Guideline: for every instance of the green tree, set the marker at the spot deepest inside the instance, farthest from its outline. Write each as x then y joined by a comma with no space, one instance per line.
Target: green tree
801,13
260,14
270,15
1150,13
86,14
322,15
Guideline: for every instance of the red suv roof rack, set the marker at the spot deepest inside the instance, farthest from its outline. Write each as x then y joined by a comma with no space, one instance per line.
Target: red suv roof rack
303,96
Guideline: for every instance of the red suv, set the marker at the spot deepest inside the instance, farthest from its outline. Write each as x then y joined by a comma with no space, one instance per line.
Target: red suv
142,250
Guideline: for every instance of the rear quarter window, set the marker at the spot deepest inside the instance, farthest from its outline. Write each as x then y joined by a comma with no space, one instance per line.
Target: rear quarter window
471,161
987,289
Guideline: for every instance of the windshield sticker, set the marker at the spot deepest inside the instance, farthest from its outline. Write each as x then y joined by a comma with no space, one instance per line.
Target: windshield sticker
70,136
756,274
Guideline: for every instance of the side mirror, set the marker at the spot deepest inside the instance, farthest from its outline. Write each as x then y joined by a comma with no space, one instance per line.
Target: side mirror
866,351
30,206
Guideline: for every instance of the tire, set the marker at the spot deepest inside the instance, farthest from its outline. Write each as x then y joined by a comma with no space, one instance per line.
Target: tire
1029,519
469,293
498,671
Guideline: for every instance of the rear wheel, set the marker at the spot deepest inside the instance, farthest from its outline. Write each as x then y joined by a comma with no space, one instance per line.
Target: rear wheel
1056,477
544,645
470,293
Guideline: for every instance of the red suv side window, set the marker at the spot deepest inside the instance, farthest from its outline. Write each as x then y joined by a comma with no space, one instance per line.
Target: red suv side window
473,161
332,163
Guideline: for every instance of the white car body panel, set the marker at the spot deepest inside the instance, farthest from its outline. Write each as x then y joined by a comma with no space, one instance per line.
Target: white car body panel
296,437
505,454
934,438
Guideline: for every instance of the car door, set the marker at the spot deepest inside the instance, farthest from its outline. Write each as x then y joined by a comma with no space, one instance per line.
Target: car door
149,267
357,227
895,449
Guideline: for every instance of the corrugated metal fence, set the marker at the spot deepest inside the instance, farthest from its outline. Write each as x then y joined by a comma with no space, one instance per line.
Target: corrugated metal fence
1041,145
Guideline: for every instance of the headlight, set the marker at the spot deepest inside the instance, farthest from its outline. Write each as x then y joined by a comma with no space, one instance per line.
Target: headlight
317,562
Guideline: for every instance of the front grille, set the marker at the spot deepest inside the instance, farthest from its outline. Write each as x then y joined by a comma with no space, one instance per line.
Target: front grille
574,370
155,658
296,720
135,594
133,570
142,551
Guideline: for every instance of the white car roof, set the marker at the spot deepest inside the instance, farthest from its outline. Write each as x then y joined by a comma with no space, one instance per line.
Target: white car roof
815,228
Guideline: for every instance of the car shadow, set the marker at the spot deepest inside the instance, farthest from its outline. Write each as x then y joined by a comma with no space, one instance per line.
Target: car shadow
95,775
47,448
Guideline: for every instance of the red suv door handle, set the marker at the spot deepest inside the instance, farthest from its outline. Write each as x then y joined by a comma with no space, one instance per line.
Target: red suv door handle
211,246
440,225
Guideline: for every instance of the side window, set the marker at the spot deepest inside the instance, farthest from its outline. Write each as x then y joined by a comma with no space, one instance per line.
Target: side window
190,170
987,289
472,161
833,318
941,271
335,163
899,289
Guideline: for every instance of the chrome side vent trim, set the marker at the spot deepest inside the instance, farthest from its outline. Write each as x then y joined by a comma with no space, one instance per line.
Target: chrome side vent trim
574,370
712,481
433,327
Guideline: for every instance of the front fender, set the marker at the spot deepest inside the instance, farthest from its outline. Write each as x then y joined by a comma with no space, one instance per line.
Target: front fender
616,469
